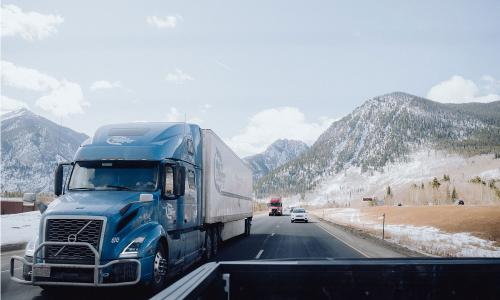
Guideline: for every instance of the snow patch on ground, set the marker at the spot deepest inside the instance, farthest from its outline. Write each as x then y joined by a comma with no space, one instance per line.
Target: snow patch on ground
19,228
425,239
351,185
490,174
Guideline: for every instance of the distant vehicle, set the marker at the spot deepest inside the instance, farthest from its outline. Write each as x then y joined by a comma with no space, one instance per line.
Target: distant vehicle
299,214
142,202
275,207
460,202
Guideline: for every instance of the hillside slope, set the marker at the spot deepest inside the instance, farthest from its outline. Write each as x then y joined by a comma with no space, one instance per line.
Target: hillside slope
277,154
31,148
387,129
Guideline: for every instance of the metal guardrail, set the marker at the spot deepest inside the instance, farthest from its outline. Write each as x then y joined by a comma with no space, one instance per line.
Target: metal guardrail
96,266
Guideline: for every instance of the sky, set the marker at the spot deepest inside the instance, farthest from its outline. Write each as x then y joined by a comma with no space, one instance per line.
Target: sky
253,71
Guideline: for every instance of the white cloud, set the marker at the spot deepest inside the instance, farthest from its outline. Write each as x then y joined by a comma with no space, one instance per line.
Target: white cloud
460,90
61,97
66,99
205,108
26,78
9,104
267,126
104,84
164,22
223,65
178,77
174,115
28,25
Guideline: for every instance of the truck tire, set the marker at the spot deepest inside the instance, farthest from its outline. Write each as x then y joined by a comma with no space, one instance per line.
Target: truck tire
215,241
248,227
208,245
159,278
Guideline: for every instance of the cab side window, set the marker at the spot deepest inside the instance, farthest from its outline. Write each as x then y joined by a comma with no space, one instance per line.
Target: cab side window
169,181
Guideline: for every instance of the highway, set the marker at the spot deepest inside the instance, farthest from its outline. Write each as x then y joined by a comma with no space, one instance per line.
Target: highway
271,238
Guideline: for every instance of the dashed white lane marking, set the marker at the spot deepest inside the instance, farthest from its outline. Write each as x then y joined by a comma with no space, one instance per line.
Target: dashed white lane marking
343,241
259,254
14,269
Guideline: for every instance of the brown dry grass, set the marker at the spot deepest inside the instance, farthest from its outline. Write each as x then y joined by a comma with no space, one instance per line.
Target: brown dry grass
481,221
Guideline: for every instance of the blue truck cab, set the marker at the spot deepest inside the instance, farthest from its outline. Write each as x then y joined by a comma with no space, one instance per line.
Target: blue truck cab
131,209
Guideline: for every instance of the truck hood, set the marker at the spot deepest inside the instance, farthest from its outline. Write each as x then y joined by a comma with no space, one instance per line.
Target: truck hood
91,203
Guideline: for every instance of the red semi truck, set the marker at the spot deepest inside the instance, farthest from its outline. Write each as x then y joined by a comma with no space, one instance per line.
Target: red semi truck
275,207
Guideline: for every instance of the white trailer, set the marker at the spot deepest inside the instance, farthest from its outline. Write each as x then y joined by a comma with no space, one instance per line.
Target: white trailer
227,188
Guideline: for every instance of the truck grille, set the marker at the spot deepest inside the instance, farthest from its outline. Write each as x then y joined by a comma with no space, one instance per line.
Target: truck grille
64,230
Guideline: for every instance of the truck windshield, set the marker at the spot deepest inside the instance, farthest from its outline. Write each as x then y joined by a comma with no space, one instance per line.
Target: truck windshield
116,175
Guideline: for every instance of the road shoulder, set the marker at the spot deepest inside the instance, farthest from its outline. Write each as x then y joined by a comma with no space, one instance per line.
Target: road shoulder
367,245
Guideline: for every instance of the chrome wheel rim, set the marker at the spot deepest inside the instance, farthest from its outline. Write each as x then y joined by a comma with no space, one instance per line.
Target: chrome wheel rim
157,266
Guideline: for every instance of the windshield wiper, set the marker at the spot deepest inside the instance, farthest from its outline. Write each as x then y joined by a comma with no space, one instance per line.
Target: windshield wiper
119,187
82,189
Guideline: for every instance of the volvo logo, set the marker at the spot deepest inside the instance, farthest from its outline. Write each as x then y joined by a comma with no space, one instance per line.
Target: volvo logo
72,238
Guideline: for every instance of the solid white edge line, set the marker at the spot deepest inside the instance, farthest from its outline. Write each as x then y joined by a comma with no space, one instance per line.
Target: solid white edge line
259,254
343,241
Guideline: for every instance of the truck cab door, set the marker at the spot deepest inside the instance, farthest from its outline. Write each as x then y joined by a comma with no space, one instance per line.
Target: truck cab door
168,218
191,216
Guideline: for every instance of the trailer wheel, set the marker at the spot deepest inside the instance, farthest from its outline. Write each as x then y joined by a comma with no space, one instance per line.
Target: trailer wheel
248,226
208,245
215,241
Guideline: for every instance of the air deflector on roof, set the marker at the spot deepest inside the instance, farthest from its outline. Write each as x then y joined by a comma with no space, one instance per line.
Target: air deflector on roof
127,131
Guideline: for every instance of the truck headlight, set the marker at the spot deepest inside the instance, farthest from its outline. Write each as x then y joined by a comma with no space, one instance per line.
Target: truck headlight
30,247
132,249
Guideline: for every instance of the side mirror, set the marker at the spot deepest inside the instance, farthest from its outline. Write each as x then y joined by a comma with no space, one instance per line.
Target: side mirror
41,207
59,177
179,180
58,180
29,197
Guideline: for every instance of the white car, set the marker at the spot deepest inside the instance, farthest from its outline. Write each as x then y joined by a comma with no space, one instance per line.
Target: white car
298,214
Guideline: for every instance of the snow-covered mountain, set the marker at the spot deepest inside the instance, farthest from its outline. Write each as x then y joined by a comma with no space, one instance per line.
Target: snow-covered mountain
31,148
387,129
277,154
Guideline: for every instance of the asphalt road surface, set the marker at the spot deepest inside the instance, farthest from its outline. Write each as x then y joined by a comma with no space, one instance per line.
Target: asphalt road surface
271,238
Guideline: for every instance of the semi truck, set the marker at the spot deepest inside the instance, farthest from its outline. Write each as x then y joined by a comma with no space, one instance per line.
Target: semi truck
275,207
138,204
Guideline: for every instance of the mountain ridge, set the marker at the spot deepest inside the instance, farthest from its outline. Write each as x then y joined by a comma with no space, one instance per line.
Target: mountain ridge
386,129
31,148
278,153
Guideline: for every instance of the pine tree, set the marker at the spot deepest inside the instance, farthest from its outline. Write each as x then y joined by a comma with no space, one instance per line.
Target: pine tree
454,194
435,183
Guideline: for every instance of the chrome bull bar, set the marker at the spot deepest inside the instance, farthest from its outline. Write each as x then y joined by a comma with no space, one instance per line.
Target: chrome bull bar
96,266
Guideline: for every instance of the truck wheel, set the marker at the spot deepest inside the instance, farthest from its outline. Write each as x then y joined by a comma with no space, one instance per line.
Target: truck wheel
248,226
208,245
215,241
158,279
